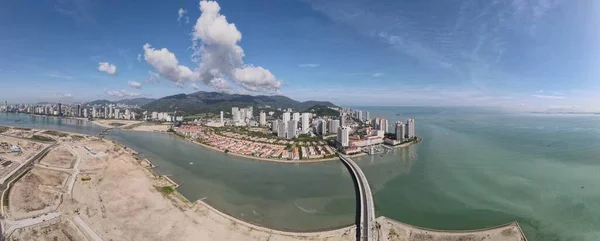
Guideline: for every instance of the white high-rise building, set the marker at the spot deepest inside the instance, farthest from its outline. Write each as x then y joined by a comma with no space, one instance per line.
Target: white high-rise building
322,127
286,117
221,116
275,126
263,119
343,136
342,119
367,116
85,113
111,112
234,114
296,116
333,126
305,122
410,128
359,114
380,124
94,112
282,129
106,112
292,129
400,131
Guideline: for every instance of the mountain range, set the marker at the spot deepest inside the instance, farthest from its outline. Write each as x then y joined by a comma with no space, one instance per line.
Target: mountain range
135,101
214,102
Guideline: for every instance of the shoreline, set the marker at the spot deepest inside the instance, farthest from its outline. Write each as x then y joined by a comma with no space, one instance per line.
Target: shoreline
283,160
178,200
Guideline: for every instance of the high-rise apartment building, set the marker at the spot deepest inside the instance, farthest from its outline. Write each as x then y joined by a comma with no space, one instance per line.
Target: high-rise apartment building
292,129
305,122
286,117
410,128
282,129
400,131
333,126
221,116
296,116
322,127
263,119
343,136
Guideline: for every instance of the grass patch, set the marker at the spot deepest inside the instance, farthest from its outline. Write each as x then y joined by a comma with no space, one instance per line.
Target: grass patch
166,190
56,133
41,138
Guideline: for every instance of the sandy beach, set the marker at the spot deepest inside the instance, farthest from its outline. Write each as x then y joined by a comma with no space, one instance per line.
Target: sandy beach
110,123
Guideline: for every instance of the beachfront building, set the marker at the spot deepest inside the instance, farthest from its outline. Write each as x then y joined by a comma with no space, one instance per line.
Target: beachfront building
282,129
305,122
292,129
400,131
343,136
410,128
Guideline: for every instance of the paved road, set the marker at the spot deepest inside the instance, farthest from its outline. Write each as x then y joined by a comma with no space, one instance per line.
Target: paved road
87,229
7,180
14,225
367,205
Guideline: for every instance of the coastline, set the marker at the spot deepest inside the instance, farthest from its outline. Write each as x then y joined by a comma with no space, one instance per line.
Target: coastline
287,161
216,217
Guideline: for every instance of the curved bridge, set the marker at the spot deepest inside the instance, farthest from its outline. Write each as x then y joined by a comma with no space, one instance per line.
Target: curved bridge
365,230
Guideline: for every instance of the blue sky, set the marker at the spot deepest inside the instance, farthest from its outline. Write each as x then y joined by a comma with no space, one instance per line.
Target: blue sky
516,54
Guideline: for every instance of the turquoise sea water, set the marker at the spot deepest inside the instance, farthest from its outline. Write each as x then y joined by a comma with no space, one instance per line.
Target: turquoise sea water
473,169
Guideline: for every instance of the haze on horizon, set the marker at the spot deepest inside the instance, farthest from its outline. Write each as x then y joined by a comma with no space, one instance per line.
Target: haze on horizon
514,54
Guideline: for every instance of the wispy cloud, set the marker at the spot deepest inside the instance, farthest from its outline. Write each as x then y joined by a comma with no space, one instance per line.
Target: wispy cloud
76,9
551,97
63,95
182,15
58,76
308,65
378,74
121,93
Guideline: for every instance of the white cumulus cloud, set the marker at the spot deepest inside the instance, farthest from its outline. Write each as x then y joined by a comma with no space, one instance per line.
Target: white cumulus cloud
219,57
121,93
107,68
139,58
134,84
167,64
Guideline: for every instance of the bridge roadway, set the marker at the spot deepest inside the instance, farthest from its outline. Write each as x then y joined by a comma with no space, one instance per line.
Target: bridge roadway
366,224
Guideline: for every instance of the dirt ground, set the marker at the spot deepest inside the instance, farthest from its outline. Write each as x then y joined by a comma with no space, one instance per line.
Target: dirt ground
90,161
59,157
152,127
28,148
37,192
121,202
395,231
61,230
116,123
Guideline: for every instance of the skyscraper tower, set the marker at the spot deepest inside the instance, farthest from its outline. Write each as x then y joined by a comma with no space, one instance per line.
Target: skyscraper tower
59,109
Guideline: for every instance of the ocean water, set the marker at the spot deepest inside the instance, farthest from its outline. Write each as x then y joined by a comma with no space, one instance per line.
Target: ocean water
474,169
